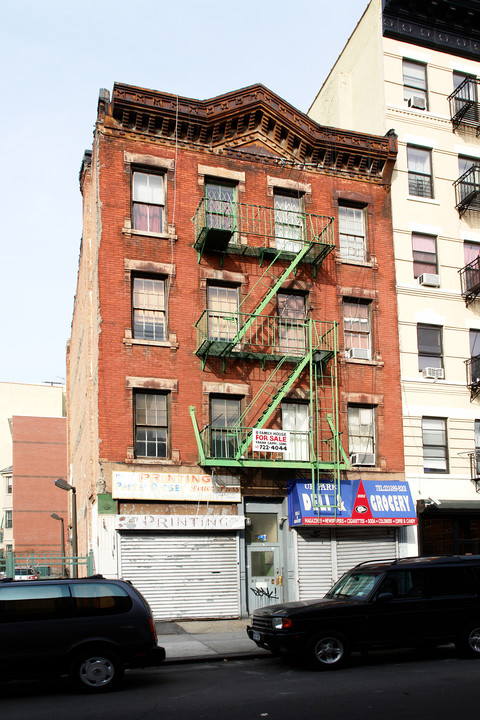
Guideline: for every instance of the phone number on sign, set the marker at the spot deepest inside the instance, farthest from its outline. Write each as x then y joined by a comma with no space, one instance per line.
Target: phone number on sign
270,448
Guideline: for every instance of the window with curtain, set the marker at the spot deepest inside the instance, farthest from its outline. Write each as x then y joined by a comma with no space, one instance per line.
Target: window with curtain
356,325
424,249
291,324
420,181
361,429
148,202
220,205
296,419
414,81
289,222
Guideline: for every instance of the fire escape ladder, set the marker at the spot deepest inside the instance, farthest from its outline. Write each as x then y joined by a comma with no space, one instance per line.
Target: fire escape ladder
276,396
279,280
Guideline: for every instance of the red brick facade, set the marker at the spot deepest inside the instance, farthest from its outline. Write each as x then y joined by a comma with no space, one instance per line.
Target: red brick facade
39,458
187,141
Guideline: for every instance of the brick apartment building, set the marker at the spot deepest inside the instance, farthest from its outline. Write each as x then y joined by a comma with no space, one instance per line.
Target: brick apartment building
39,458
234,406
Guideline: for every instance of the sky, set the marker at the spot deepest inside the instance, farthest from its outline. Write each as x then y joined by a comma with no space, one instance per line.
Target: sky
55,56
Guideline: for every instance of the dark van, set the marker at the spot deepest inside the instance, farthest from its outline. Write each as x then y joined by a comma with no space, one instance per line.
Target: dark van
423,601
91,629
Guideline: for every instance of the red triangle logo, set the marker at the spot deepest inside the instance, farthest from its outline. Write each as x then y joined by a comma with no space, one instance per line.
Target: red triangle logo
361,506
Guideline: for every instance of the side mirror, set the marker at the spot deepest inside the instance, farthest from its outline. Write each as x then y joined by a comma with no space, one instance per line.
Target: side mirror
384,597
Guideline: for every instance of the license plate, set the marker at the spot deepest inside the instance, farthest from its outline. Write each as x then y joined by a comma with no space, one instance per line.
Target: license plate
256,636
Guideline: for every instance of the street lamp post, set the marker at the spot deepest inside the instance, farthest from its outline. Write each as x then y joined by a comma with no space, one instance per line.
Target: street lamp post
57,517
64,485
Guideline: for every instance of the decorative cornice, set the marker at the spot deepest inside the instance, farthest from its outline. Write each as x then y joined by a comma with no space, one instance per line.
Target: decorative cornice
451,26
252,123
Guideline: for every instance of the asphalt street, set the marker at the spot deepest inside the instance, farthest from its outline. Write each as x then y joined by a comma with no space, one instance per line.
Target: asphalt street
400,684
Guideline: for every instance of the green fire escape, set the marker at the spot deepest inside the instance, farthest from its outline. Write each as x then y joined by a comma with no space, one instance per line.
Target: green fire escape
286,348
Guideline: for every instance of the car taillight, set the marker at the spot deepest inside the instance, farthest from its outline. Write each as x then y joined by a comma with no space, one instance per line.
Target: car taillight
153,629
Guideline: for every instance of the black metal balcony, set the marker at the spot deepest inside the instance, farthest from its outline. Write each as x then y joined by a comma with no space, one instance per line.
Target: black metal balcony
475,468
473,375
470,280
467,190
464,105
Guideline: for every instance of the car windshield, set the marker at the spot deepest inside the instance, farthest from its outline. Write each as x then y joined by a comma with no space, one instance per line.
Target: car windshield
357,585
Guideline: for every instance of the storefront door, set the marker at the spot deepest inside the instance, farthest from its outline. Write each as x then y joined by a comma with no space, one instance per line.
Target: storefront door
264,556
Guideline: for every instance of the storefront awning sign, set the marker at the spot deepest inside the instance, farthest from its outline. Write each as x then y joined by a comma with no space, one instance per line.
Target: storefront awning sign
173,487
363,502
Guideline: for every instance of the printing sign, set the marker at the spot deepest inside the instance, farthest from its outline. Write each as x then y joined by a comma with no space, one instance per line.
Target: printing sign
361,502
173,487
271,441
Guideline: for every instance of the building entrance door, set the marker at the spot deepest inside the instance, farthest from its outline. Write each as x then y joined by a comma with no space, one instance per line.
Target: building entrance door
264,556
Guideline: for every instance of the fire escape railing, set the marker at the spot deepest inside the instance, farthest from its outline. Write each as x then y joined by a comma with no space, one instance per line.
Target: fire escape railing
464,105
467,190
473,375
245,229
470,280
474,457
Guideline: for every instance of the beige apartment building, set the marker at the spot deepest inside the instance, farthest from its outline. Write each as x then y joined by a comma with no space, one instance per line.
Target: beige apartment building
413,69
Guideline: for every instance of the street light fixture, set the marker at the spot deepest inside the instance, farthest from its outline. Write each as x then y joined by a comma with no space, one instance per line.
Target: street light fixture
64,485
57,517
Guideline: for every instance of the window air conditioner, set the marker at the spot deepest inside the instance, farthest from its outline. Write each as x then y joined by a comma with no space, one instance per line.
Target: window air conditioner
417,101
362,459
359,353
429,279
433,373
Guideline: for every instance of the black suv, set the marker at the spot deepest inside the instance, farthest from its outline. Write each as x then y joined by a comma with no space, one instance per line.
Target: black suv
423,601
90,629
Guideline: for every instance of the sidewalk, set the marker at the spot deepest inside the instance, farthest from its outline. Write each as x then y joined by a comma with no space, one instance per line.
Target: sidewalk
203,640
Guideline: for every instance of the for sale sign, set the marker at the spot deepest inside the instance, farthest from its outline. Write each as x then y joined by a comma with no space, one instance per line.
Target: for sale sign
272,441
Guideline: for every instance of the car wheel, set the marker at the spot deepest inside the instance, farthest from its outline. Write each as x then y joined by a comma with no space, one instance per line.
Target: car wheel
468,642
328,651
96,670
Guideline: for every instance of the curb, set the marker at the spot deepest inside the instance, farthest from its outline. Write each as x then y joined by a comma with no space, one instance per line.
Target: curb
218,657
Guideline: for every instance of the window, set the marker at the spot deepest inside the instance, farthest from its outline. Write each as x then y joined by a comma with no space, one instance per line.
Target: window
151,425
430,353
220,205
415,84
8,519
471,251
424,254
96,598
222,302
291,324
435,455
149,308
224,416
419,163
148,202
467,95
8,484
295,419
351,222
356,328
466,163
289,230
475,355
361,432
